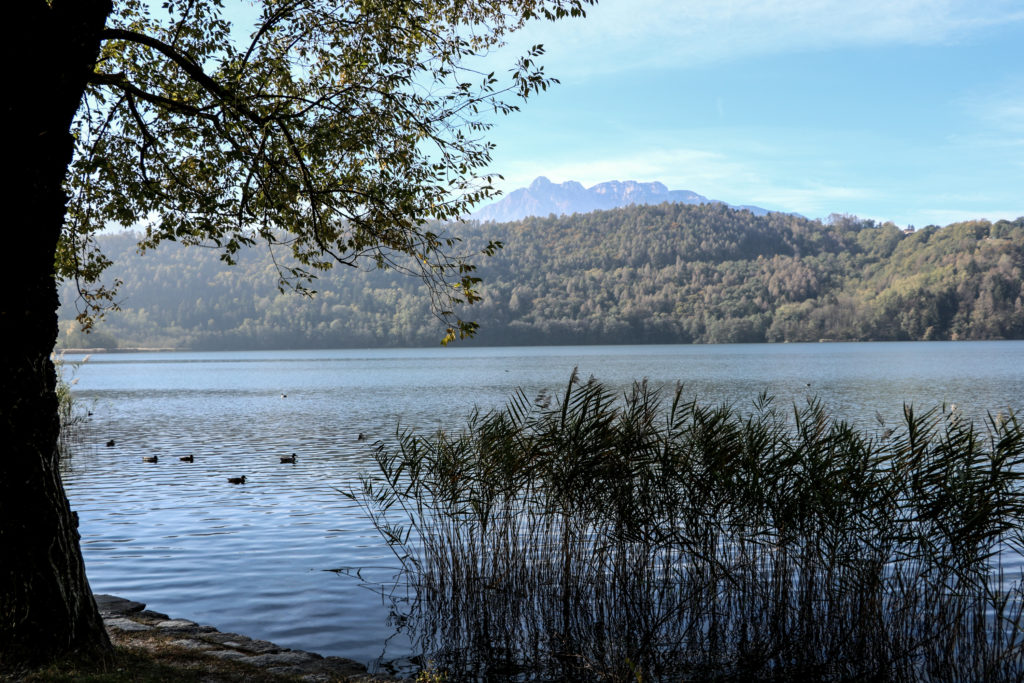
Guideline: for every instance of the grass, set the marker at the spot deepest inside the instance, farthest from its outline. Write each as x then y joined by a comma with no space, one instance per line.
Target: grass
648,537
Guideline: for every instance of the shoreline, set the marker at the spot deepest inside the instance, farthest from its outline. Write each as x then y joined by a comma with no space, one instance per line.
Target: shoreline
130,624
101,349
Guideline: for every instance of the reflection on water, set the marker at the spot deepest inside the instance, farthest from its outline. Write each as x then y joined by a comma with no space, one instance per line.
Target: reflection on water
252,558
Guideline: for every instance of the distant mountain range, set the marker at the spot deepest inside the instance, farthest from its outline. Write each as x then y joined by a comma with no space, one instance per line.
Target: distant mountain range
543,198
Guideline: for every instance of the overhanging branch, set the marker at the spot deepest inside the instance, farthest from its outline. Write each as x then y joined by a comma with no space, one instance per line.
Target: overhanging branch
121,82
186,63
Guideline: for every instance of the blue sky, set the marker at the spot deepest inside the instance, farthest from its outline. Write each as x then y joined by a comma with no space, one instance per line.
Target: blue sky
902,110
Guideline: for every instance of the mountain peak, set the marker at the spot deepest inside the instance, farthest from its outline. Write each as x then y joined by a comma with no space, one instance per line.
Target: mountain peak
544,197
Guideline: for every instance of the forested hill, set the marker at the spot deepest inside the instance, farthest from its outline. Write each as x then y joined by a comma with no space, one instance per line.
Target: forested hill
668,273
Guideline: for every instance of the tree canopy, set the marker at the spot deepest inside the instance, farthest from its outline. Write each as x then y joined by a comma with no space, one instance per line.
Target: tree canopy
331,129
670,273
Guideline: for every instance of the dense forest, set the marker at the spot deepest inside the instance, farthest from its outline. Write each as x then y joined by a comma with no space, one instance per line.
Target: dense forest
668,273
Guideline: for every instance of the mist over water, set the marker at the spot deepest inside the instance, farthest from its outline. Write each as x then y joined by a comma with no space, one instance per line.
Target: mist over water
252,558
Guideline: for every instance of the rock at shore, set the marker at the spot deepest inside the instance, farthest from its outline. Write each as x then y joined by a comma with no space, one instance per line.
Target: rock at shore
126,619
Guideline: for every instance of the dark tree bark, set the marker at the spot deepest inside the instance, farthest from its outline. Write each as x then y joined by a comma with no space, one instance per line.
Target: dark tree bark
46,607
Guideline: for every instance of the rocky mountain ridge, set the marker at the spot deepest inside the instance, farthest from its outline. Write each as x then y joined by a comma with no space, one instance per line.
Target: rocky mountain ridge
543,198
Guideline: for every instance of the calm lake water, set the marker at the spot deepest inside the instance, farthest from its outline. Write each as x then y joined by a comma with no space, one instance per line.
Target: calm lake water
254,558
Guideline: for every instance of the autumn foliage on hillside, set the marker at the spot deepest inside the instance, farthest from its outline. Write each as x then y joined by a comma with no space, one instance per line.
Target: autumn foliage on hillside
670,273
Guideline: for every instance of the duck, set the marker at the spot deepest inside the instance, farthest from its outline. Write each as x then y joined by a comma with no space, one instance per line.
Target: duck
187,458
236,480
149,458
110,443
288,459
361,437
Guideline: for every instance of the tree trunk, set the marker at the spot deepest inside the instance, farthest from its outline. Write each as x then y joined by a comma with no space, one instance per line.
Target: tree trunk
46,607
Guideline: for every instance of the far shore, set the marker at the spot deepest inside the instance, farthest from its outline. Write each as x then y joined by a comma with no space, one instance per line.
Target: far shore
117,350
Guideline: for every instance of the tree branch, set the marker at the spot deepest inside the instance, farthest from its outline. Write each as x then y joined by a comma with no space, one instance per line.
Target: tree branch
266,26
121,82
189,67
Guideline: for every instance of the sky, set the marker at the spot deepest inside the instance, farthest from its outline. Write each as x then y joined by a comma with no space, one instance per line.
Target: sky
903,110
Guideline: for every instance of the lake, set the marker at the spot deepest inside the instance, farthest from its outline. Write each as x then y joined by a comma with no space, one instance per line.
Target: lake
254,558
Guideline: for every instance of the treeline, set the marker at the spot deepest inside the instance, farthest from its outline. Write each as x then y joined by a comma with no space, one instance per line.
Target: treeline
671,273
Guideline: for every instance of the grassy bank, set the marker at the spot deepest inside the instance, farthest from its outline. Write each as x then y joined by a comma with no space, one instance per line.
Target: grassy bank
589,536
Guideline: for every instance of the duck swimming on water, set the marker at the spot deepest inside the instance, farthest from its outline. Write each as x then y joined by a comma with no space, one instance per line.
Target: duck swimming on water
288,459
187,458
149,458
236,480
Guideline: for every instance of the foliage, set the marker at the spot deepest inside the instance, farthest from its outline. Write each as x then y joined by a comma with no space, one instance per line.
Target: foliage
672,273
654,538
330,129
333,130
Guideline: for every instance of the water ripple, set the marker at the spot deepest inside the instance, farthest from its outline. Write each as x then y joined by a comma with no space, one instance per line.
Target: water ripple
252,558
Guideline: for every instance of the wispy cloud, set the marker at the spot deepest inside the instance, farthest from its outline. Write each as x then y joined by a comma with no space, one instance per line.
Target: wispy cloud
1001,112
674,167
946,216
715,175
732,179
628,34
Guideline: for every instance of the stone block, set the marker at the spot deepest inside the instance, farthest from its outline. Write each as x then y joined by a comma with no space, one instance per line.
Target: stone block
177,625
111,604
190,644
234,655
290,658
125,624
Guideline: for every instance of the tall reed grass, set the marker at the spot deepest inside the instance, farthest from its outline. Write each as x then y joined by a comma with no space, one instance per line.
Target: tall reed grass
651,538
72,415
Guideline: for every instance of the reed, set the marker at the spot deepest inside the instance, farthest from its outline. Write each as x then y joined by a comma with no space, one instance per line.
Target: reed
649,537
72,415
